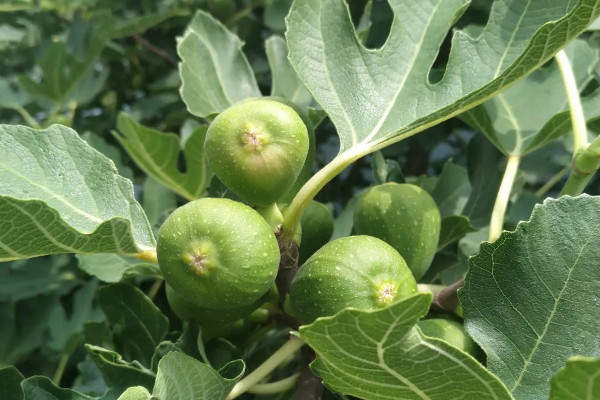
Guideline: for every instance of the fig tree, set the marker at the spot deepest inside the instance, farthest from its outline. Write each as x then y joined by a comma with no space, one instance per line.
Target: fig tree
218,253
356,271
406,217
257,148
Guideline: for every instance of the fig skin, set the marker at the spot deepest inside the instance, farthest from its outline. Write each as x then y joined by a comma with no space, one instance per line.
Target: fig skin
449,331
218,253
257,148
355,271
188,311
317,228
406,217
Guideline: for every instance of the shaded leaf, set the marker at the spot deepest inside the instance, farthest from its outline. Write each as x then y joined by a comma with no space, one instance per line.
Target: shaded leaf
453,228
531,298
10,384
119,374
59,195
137,324
114,268
41,387
452,190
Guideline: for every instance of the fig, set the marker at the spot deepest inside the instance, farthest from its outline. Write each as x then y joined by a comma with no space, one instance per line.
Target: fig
317,228
449,331
356,271
189,311
218,253
406,217
257,148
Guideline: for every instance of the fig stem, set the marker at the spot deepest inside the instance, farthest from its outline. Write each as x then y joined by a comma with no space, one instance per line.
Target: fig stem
147,255
275,387
575,108
279,357
293,214
497,220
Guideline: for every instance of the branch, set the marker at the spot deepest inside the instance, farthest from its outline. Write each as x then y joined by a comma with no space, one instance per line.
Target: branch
156,50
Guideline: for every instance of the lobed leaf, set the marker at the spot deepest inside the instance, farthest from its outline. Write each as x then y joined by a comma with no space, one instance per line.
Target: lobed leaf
535,110
378,96
531,298
378,355
58,195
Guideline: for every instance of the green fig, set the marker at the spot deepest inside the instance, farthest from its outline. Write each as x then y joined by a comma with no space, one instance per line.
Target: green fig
356,271
317,228
406,217
257,148
218,253
449,331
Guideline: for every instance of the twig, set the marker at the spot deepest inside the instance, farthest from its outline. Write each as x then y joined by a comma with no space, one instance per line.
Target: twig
156,50
310,386
447,299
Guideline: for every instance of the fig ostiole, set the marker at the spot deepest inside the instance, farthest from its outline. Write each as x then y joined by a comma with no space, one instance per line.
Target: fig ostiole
257,148
317,228
406,217
356,271
218,253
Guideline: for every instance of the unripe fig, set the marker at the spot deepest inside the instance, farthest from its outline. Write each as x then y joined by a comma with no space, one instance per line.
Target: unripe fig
317,228
218,253
257,149
189,311
450,331
406,217
356,271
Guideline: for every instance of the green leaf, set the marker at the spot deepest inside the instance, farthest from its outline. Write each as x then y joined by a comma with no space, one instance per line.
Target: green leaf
114,268
158,201
135,393
23,326
578,380
385,170
530,298
452,189
138,325
110,151
376,97
10,384
28,278
117,373
183,377
485,165
214,71
453,228
286,82
58,195
41,387
535,110
65,77
378,355
12,94
66,329
157,153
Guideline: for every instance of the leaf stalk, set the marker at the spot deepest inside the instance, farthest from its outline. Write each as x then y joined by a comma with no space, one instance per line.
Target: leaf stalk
508,179
279,357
